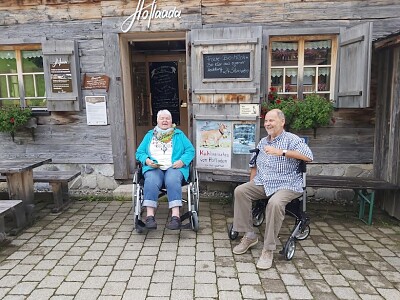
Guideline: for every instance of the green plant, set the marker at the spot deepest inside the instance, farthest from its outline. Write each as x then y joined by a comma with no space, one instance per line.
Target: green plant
13,117
312,112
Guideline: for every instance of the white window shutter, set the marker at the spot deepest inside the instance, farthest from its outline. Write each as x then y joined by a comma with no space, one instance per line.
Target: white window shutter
355,49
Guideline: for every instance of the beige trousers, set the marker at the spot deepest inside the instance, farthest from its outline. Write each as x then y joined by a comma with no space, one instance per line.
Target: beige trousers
248,192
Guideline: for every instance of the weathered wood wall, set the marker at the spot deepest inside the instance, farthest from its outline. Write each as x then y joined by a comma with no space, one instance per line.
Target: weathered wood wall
350,139
387,141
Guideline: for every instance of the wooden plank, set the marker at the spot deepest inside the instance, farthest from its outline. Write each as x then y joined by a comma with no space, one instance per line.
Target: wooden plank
54,176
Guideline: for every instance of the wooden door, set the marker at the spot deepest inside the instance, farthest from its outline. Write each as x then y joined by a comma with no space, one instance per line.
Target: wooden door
159,83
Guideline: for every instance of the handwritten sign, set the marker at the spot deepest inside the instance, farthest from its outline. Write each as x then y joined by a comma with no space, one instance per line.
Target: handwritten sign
226,65
96,82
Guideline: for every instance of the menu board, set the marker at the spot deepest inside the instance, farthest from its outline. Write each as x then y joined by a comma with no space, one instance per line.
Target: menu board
226,65
164,89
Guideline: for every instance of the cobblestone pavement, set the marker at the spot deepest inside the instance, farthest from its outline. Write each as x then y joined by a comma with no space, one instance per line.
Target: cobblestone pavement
91,252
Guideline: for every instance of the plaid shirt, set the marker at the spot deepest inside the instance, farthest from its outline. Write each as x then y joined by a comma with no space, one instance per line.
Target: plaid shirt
280,172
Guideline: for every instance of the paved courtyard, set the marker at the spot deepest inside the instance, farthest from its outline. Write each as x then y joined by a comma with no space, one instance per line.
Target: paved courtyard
90,252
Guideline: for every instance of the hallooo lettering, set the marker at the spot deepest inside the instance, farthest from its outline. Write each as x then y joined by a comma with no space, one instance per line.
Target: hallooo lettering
149,12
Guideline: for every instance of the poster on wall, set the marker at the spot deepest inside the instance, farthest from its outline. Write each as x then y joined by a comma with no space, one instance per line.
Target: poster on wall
214,140
244,135
96,110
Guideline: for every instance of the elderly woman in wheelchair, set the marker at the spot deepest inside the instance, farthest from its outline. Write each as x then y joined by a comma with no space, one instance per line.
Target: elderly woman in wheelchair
165,154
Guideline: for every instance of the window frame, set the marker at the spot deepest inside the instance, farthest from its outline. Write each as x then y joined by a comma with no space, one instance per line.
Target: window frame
301,39
20,74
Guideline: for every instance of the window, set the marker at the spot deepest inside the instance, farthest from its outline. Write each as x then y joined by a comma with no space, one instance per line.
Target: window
22,77
303,65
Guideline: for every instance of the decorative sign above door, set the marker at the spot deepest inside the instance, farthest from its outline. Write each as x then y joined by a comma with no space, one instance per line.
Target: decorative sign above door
149,12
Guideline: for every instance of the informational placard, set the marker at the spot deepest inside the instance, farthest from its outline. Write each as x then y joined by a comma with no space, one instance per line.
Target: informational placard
96,110
96,82
249,110
61,77
213,148
244,136
226,65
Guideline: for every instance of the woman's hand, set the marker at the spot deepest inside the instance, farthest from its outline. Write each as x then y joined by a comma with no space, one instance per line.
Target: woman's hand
151,163
178,164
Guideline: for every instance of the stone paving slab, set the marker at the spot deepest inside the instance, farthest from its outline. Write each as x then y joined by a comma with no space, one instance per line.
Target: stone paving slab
91,251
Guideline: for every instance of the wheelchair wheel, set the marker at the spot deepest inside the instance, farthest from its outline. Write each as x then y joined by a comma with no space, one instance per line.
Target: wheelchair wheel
195,192
302,235
231,233
194,219
258,219
290,248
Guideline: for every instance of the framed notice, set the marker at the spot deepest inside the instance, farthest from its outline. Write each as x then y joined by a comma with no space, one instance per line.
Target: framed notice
61,77
96,110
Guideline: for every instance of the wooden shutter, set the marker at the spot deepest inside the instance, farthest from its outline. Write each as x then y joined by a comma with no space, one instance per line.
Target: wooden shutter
62,75
355,48
225,79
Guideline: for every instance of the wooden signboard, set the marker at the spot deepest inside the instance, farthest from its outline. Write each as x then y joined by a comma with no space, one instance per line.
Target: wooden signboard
61,77
96,82
226,65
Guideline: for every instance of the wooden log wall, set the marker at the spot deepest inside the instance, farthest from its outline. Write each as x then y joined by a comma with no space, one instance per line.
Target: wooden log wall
387,142
349,140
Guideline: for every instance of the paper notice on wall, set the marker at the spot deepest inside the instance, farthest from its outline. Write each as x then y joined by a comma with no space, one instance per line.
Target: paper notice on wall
96,110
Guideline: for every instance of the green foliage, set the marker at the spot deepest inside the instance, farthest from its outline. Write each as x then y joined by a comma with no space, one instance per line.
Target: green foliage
315,111
13,117
312,112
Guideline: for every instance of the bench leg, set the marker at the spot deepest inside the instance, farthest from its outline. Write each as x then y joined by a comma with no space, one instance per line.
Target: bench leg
365,198
57,197
19,218
2,229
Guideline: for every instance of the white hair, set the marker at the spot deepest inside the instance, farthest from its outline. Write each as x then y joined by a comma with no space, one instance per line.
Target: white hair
163,112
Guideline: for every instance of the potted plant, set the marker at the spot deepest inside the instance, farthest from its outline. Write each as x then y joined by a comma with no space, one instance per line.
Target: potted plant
312,112
12,118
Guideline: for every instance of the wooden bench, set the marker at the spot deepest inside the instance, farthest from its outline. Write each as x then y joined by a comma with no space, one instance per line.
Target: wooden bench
364,188
16,207
59,185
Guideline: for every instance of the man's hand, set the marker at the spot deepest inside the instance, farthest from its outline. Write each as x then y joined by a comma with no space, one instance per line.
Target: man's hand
273,151
178,164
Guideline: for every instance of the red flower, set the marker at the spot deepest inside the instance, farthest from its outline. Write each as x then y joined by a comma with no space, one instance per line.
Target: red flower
272,89
278,101
270,97
12,120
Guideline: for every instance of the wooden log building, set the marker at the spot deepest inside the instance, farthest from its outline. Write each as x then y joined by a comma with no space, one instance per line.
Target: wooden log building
95,73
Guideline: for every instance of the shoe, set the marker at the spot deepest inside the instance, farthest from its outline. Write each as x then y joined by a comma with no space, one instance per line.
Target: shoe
151,222
265,260
174,224
245,244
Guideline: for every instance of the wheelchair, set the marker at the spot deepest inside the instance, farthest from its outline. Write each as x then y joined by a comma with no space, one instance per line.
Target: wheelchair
191,203
296,208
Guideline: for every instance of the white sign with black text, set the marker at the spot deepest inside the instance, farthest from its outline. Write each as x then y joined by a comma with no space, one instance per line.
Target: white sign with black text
96,110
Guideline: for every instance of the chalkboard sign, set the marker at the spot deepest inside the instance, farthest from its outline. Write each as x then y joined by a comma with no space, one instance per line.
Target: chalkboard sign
164,89
226,65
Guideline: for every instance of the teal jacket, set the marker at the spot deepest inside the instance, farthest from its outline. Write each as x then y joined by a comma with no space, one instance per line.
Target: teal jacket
182,149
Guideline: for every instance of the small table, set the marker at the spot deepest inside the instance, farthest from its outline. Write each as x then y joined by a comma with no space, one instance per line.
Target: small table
20,179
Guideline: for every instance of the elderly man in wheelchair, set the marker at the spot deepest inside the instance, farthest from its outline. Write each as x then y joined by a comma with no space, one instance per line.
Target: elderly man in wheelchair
275,177
165,155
